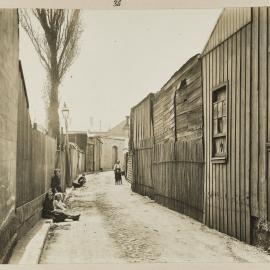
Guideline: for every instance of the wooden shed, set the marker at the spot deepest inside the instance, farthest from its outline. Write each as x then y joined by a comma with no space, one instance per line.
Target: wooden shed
178,167
166,136
236,91
177,107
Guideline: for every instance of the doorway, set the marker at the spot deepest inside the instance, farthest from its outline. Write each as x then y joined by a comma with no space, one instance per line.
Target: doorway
114,155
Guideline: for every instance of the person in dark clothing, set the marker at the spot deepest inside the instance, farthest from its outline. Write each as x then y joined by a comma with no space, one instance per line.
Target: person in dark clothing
79,182
48,205
117,173
58,215
82,180
56,182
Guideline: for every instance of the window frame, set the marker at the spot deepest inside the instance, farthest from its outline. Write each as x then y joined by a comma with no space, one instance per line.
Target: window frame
223,158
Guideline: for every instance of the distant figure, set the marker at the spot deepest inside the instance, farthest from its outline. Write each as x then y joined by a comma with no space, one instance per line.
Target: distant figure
54,208
82,179
56,182
79,182
117,173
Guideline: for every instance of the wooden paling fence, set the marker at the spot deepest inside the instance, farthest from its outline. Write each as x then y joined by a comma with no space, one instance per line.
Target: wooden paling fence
172,174
37,157
142,168
77,162
60,163
36,153
129,167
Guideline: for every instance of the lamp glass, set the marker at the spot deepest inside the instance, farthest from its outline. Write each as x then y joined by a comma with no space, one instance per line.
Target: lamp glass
65,111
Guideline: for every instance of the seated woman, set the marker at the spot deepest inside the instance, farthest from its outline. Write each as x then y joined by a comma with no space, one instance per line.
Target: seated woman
56,209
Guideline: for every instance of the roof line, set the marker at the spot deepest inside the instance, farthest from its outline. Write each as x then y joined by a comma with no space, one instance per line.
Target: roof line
214,28
23,81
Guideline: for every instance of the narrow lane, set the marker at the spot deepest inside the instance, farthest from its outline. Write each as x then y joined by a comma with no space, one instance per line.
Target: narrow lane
118,225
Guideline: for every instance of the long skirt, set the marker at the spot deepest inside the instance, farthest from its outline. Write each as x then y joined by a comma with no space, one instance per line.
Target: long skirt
118,177
60,215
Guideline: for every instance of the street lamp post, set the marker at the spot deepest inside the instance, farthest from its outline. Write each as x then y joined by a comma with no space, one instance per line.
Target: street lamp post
65,113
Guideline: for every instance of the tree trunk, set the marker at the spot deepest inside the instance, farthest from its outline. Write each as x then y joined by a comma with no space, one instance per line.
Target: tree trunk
53,115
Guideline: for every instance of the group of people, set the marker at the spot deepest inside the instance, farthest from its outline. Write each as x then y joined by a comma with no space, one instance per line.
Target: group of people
54,206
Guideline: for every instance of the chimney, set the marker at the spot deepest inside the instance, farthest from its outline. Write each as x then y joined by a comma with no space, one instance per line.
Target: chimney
127,120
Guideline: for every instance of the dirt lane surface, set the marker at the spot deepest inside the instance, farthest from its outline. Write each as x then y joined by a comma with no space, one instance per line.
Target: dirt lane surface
120,226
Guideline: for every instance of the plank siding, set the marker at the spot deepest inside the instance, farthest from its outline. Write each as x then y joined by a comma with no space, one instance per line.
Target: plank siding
238,52
248,134
263,52
236,23
205,188
141,146
242,125
209,149
214,179
227,207
224,180
254,115
268,114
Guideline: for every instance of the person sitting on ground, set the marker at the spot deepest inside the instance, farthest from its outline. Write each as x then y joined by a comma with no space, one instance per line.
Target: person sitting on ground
58,202
82,179
48,205
56,182
53,210
79,182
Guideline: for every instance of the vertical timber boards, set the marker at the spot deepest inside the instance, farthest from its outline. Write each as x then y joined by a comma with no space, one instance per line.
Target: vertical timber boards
268,115
242,136
183,159
204,85
226,187
263,51
254,115
259,199
142,142
247,142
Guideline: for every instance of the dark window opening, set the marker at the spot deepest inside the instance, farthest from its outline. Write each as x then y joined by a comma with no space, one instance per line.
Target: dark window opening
219,122
183,84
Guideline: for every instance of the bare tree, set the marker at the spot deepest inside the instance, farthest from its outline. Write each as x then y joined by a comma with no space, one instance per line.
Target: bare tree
55,34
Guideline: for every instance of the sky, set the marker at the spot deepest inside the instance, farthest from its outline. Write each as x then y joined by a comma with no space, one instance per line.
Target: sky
124,55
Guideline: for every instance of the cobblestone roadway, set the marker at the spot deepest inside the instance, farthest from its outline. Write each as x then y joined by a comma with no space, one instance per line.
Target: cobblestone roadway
118,225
